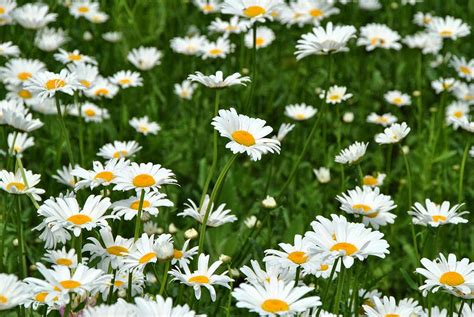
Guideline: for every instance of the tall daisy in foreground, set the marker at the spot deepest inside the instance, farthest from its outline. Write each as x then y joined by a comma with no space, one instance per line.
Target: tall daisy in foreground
275,297
47,84
324,41
12,291
255,10
393,134
246,135
448,274
352,154
216,217
14,183
300,112
435,215
204,276
375,35
387,306
218,80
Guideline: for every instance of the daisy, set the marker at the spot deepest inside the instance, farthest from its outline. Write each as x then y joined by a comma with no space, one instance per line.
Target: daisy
19,142
86,74
234,26
444,84
375,35
397,98
12,291
159,307
50,39
121,283
128,208
435,215
284,129
317,10
449,27
216,218
119,149
323,267
293,14
102,88
18,70
188,45
422,18
246,135
111,252
255,274
369,5
300,112
100,174
464,92
112,37
352,154
142,253
67,213
120,308
97,17
8,49
14,183
346,240
145,58
46,84
73,57
451,275
366,201
52,234
456,111
143,176
127,79
203,277
218,80
428,43
323,174
20,120
265,36
388,307
185,90
184,256
384,120
218,49
275,297
89,112
336,94
61,257
81,8
64,176
33,15
207,6
393,134
255,10
464,68
374,181
144,125
164,247
24,96
7,7
322,41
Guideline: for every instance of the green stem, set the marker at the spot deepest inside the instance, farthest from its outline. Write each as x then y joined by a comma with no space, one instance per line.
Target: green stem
25,180
81,130
340,287
79,248
419,88
297,277
65,133
129,287
111,288
165,277
254,67
326,290
21,243
461,172
361,174
139,216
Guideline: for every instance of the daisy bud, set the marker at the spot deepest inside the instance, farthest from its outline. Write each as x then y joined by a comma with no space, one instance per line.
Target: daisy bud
15,242
433,109
269,202
416,93
348,117
394,5
160,230
224,258
191,234
122,293
245,71
322,174
87,36
172,228
150,228
33,267
251,222
234,272
151,278
456,167
405,149
145,216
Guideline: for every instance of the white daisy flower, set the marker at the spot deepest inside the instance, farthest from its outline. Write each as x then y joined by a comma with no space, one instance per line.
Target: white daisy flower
216,218
89,112
18,70
100,174
204,276
24,96
120,308
121,284
73,57
144,176
255,10
14,183
246,135
393,134
97,17
102,88
62,257
128,208
284,129
464,92
352,154
127,79
375,35
8,6
218,80
12,291
19,142
374,181
449,27
20,120
388,307
322,41
235,25
185,90
144,126
183,257
33,15
8,49
119,149
188,45
64,175
397,98
316,10
159,307
255,274
336,94
323,174
145,58
435,215
464,68
369,5
207,6
81,8
275,297
428,43
265,36
46,84
384,120
455,112
444,84
422,18
164,247
300,112
86,74
366,201
50,39
218,49
112,37
142,253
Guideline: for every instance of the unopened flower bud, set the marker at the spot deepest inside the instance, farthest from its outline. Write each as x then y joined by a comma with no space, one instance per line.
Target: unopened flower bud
191,234
269,202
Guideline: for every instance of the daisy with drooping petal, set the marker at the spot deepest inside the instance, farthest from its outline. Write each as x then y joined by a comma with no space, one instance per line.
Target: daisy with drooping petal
102,88
145,58
366,201
455,112
346,240
322,41
86,74
387,306
256,275
19,119
235,25
258,10
185,90
265,36
428,43
374,181
218,80
184,256
422,18
164,247
142,253
33,15
444,84
323,174
464,68
336,94
207,6
202,277
216,217
25,97
126,79
67,213
119,149
47,84
284,129
97,17
352,154
384,120
8,49
143,176
218,49
247,135
12,291
90,112
300,112
50,39
128,208
275,297
100,174
144,126
7,8
14,183
449,27
397,98
112,37
18,70
188,45
73,57
64,176
19,142
448,274
120,308
375,35
61,257
393,134
160,307
435,215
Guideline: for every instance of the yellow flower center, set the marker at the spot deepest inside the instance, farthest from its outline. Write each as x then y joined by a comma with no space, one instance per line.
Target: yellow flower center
83,9
201,279
316,13
24,94
117,250
118,283
207,8
392,315
79,219
2,10
125,81
369,180
300,116
323,267
143,128
74,57
24,76
243,137
136,204
426,20
397,100
298,257
446,33
438,218
64,262
147,258
89,112
85,83
120,154
382,120
458,114
102,92
363,207
372,215
40,297
254,11
275,306
18,186
347,247
70,284
215,51
259,41
451,279
177,254
465,70
143,180
105,175
3,300
17,149
334,97
54,84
